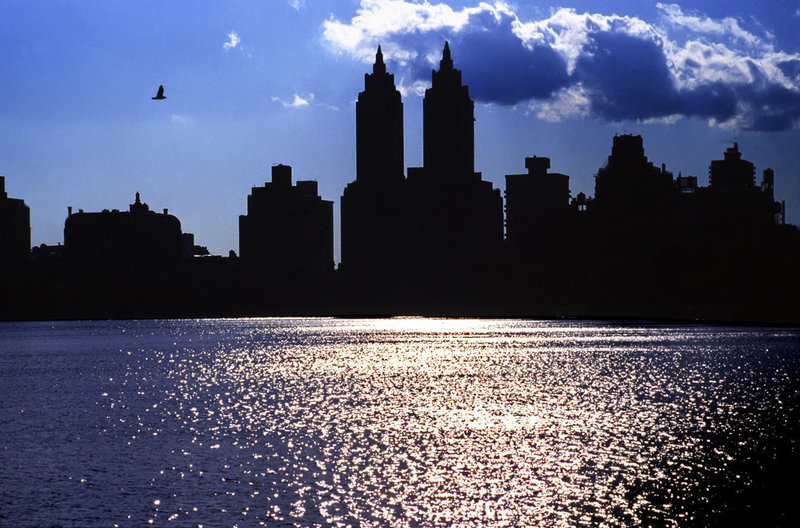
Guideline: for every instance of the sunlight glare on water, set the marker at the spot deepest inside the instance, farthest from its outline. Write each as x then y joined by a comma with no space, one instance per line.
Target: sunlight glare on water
435,422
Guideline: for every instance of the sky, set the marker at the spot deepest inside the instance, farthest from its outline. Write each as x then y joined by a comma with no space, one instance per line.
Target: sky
253,83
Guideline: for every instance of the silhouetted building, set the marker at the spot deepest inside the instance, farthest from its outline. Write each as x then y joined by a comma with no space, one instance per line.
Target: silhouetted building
629,182
732,202
538,209
455,217
732,172
134,240
189,249
443,224
47,253
372,206
448,122
768,191
15,229
686,184
634,200
288,229
379,128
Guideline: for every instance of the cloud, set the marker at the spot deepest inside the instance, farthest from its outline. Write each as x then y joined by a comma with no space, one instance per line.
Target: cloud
297,102
178,119
300,102
500,68
233,41
297,5
586,64
564,104
727,27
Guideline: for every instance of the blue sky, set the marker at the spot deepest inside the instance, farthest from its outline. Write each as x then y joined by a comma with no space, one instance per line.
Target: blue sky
253,83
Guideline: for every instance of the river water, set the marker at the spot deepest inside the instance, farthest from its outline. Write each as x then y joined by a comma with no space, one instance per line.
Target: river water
397,422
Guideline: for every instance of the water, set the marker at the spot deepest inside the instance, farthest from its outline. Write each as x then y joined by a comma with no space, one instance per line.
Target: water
397,422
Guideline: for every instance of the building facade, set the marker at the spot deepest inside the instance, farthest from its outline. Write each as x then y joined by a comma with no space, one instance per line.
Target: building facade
137,239
288,229
372,219
448,115
455,217
15,230
538,209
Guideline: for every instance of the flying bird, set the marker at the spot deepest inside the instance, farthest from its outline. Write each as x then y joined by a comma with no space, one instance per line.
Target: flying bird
160,94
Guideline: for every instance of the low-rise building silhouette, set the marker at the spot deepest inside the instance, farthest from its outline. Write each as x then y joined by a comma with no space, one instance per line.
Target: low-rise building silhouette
15,230
539,215
732,172
634,200
189,249
732,201
47,253
123,240
288,229
629,181
636,204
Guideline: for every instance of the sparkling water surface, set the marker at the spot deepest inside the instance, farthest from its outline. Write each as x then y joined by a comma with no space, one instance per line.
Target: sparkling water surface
397,422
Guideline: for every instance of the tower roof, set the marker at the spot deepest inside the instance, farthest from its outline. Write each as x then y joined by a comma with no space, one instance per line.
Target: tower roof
379,66
447,61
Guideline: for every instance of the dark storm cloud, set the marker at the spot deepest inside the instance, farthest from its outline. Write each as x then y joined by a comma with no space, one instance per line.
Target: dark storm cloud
713,100
626,78
500,69
773,108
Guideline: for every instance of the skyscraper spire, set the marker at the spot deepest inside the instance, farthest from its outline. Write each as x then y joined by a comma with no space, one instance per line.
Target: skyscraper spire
379,66
446,63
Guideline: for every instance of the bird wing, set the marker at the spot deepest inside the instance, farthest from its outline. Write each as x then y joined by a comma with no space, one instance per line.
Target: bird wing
160,91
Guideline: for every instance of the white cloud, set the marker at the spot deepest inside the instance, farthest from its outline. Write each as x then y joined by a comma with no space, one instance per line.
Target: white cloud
666,120
300,102
727,26
377,20
417,88
697,60
568,32
297,5
233,41
297,102
566,103
383,21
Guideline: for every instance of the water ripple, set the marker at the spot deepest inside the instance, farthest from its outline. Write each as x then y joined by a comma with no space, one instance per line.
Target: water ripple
401,422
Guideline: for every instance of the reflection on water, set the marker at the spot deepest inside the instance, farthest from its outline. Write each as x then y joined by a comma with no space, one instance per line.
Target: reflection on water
401,422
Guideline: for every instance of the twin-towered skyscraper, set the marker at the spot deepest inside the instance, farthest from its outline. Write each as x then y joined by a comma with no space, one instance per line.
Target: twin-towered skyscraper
441,224
438,233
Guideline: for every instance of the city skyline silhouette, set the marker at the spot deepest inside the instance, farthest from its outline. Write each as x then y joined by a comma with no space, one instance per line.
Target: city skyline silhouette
440,240
289,81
